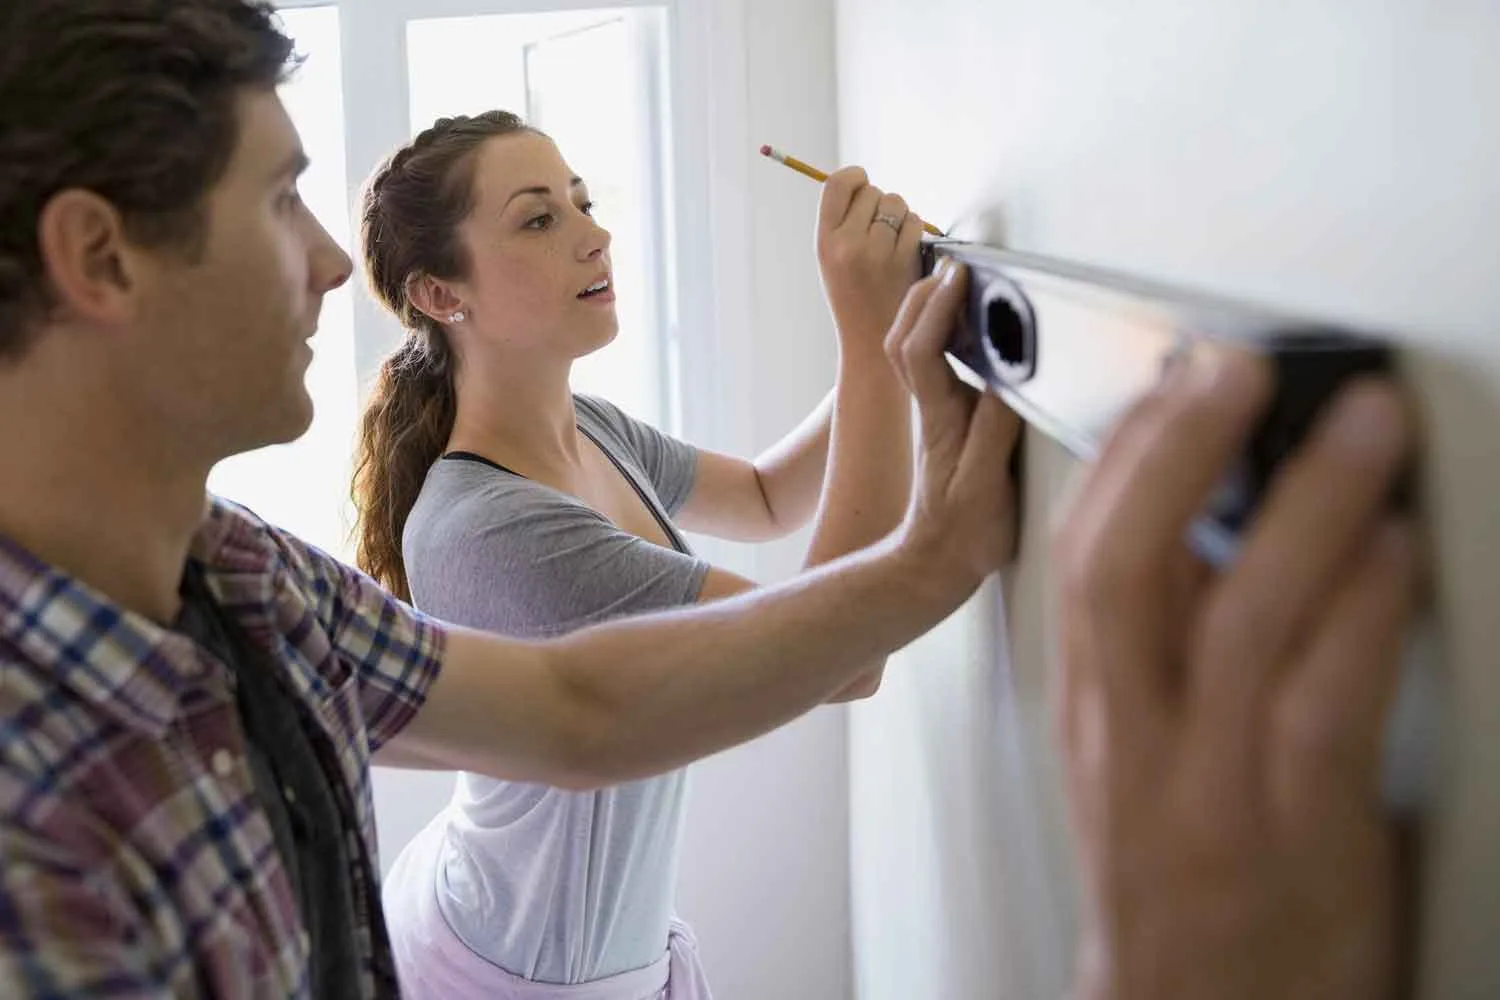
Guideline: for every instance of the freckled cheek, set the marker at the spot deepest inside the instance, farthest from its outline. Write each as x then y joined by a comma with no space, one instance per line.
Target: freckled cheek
527,287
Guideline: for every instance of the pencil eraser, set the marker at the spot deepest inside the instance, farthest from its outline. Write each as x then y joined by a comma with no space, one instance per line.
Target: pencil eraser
765,150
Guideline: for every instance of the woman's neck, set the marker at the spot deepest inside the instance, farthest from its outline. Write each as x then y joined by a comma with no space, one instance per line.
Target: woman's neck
523,419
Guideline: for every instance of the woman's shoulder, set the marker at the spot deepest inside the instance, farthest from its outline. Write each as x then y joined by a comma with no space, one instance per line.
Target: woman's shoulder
596,414
628,438
462,498
599,413
597,407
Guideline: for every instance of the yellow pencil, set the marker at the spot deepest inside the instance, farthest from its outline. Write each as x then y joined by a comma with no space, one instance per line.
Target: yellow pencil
808,170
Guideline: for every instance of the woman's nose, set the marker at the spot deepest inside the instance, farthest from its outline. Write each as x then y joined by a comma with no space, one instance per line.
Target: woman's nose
597,241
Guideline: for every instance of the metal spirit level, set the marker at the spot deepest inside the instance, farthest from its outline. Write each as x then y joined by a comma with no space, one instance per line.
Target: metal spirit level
1069,347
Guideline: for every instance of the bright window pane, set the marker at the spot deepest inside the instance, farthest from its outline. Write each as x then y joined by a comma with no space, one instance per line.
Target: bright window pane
586,79
304,486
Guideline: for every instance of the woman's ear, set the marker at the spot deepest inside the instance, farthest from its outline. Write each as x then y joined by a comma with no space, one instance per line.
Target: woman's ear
434,298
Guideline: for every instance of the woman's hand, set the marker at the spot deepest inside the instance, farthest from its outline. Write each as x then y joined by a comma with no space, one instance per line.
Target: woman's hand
868,255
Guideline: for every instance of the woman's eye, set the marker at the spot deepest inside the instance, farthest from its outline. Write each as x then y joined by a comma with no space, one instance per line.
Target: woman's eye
587,208
542,221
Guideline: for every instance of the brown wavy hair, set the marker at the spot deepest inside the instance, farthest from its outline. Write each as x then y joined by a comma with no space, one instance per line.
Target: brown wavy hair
409,220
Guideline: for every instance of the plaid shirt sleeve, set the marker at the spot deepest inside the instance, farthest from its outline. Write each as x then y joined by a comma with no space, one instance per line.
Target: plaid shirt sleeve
396,650
66,933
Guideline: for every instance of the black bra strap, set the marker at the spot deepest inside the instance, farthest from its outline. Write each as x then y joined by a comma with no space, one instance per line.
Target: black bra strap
469,456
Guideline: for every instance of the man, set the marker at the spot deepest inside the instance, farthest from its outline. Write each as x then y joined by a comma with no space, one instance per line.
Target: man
190,700
1222,731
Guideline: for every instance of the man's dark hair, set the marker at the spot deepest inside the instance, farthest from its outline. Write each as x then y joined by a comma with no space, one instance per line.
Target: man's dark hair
134,100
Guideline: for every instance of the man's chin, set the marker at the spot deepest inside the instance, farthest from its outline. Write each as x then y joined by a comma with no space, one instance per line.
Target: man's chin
295,417
301,416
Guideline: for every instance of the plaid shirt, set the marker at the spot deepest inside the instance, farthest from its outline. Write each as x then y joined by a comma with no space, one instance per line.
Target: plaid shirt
135,860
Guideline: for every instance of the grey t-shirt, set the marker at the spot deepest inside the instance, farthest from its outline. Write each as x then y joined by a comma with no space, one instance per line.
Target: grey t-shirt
556,886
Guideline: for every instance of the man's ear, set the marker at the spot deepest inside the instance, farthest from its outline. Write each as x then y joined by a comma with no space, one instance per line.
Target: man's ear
433,297
87,256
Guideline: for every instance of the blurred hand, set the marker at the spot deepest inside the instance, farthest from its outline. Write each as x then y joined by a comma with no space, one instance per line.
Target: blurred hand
1222,729
868,254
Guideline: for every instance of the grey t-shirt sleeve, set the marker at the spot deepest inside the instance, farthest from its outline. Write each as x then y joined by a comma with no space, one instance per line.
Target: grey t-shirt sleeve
670,464
489,550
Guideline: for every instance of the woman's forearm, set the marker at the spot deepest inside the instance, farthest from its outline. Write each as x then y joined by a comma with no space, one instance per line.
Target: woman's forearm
868,480
791,471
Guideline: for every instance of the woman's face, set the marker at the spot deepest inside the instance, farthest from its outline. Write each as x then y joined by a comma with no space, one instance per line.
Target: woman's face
539,278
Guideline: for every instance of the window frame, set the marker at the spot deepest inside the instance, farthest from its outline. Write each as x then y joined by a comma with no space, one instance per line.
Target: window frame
701,120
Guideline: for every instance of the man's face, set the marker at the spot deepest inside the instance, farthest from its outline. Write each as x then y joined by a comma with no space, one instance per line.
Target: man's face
220,352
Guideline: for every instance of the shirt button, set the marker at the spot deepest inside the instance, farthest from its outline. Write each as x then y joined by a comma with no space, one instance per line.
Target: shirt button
305,942
223,763
289,795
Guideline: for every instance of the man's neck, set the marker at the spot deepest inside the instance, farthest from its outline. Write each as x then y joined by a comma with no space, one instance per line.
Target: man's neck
88,494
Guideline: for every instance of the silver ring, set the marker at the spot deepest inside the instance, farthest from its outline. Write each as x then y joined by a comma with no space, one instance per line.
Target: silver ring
890,220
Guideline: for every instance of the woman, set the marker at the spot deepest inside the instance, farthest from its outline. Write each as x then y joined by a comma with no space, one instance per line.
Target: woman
493,497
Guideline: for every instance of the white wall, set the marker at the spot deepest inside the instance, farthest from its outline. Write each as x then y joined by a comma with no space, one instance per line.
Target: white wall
765,871
1337,158
765,866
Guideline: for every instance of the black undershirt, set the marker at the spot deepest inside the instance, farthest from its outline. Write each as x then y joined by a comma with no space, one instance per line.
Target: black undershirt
310,831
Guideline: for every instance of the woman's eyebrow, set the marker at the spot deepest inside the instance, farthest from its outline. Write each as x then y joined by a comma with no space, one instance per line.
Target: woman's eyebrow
541,189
